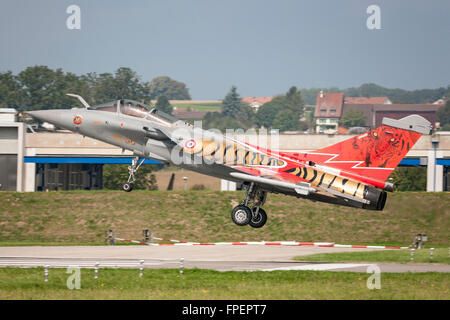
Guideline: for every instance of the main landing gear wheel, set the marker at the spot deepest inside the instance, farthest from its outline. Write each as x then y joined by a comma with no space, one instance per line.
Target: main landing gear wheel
241,215
258,219
127,187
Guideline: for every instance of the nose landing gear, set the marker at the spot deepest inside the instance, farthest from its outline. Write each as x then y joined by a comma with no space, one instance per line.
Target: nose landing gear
256,217
135,164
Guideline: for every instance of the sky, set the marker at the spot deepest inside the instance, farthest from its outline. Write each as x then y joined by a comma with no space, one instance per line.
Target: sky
261,46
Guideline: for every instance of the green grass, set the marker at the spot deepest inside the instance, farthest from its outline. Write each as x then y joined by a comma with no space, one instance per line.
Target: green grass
82,217
16,283
46,243
440,255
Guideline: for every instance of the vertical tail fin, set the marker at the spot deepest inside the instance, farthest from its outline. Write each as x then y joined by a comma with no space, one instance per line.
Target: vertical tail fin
376,153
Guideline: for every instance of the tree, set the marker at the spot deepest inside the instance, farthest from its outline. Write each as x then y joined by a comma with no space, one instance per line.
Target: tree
44,88
11,92
443,114
164,105
40,87
123,84
267,113
127,84
409,178
294,102
290,103
168,87
215,120
353,118
286,121
232,104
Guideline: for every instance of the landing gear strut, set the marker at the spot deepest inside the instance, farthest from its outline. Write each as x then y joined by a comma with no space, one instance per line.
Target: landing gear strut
135,164
255,217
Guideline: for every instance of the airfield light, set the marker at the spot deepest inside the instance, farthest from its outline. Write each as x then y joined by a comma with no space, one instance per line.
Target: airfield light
181,265
46,272
424,240
141,268
96,270
148,236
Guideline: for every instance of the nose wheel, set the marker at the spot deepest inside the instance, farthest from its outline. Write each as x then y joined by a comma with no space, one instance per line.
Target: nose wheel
135,164
256,217
127,187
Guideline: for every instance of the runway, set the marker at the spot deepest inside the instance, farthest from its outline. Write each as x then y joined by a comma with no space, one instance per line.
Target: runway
224,258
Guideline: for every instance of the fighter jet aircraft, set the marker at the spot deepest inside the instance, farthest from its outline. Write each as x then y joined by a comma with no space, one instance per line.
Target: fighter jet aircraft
350,173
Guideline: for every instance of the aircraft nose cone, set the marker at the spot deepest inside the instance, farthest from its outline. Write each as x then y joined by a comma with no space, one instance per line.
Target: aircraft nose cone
52,116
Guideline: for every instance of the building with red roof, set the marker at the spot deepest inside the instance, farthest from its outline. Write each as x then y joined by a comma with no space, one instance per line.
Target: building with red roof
328,111
256,102
331,107
366,100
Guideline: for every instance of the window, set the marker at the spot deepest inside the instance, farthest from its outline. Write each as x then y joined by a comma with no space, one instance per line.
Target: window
139,110
132,109
109,107
333,111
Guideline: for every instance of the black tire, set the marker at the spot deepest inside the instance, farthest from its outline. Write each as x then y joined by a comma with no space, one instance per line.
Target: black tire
127,187
260,220
241,215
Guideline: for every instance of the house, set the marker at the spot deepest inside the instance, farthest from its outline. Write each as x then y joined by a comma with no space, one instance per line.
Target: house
331,107
328,111
366,100
256,102
375,113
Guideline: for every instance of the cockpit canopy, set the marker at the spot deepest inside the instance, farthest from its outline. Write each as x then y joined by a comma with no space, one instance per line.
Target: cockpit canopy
136,109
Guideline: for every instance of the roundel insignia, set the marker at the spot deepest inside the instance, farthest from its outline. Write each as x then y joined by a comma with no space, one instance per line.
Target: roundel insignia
190,144
77,120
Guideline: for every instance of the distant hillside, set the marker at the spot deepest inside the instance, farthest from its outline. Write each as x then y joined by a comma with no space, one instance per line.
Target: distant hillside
84,216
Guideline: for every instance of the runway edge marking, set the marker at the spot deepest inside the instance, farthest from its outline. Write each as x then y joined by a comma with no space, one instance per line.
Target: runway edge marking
266,243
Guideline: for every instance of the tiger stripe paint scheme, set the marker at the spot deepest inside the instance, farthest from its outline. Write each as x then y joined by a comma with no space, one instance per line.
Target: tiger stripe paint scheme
231,153
337,171
329,181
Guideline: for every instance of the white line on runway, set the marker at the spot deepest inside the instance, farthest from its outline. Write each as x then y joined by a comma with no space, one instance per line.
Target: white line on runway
320,267
103,264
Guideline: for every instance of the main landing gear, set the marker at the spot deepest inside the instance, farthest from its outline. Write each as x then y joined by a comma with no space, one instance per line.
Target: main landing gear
256,217
135,164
